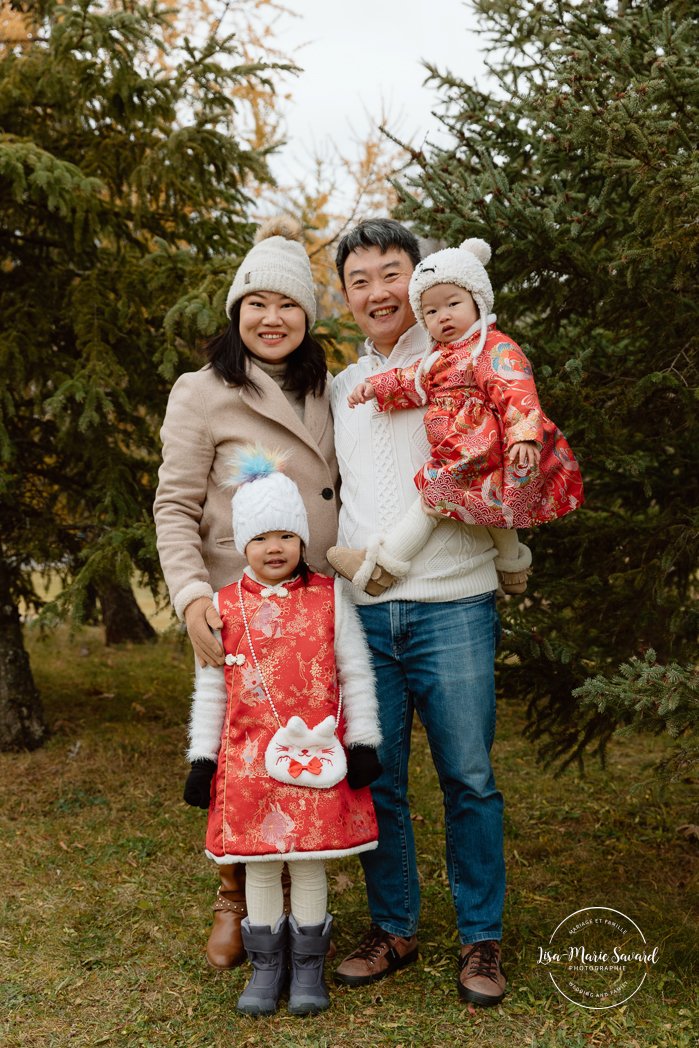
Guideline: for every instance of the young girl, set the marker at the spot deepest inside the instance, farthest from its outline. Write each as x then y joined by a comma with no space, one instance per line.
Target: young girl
268,733
497,460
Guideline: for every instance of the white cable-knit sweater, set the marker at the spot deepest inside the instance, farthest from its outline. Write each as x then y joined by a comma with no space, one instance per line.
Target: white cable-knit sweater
379,454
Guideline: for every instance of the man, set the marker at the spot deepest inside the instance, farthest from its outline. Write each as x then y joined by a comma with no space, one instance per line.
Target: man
433,637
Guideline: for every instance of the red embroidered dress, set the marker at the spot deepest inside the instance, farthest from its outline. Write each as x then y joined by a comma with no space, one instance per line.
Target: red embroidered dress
252,816
475,414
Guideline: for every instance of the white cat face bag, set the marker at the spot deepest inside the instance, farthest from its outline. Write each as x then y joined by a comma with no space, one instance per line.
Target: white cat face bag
303,756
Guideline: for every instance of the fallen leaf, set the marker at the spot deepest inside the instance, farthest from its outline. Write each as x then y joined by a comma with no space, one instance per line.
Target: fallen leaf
140,710
107,695
689,829
63,845
132,863
81,846
417,818
74,750
342,883
147,695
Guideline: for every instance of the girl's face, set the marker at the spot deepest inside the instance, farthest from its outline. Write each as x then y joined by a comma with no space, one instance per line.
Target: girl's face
449,312
274,556
271,326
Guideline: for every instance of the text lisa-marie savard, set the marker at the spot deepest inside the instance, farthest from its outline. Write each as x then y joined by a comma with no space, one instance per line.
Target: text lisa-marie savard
618,957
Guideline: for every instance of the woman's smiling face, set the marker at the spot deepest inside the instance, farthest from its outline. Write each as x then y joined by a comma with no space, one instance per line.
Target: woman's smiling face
271,325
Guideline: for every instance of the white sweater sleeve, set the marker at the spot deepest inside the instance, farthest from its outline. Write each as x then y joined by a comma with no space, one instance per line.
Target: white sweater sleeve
355,674
208,709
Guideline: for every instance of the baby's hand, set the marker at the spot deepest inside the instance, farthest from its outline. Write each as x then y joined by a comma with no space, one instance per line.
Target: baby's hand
361,393
528,452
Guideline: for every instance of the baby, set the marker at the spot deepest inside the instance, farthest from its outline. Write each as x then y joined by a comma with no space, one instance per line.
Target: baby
497,460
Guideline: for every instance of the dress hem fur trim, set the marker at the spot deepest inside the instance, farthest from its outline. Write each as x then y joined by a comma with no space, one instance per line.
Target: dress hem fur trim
338,853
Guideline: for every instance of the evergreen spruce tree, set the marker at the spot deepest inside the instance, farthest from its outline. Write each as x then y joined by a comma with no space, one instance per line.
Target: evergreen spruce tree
581,169
122,191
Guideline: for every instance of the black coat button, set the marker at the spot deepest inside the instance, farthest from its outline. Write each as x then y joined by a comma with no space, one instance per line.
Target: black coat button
327,493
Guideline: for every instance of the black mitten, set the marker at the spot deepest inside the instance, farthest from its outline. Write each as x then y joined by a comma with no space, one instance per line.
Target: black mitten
363,766
197,789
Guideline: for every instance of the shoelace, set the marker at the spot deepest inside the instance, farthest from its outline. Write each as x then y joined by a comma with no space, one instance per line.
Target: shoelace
373,944
482,959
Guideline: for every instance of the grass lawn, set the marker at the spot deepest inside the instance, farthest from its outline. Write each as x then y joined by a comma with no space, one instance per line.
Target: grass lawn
107,893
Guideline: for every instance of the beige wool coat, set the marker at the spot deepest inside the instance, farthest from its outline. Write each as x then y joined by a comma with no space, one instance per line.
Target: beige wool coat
205,421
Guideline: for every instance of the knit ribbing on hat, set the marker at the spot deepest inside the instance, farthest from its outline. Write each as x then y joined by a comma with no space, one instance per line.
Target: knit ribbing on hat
463,266
266,499
277,262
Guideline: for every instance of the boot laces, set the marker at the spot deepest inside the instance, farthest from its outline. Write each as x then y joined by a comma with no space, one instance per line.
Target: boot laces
373,945
482,959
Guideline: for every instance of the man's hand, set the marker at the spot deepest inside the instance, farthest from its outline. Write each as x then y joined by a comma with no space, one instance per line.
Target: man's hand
361,393
199,616
528,452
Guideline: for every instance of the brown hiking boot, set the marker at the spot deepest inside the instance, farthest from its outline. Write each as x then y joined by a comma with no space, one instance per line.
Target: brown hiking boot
377,956
482,981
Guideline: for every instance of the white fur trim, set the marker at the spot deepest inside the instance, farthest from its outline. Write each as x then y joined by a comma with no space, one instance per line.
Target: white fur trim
189,594
423,367
399,568
355,673
521,563
362,576
337,853
208,712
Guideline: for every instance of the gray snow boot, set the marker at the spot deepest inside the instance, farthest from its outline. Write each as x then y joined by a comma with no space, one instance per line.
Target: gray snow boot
308,946
267,951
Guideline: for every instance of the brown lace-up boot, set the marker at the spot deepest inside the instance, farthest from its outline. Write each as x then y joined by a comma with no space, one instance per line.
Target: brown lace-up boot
379,954
482,980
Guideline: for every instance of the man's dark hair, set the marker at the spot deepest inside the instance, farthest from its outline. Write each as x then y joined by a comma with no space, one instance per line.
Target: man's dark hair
383,233
306,372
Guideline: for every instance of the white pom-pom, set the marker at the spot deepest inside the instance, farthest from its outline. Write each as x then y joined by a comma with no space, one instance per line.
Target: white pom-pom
479,248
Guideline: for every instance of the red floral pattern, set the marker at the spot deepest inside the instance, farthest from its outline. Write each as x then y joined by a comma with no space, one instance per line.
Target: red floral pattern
474,414
252,814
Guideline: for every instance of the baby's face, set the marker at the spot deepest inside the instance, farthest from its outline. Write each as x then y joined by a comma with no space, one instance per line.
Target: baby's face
449,312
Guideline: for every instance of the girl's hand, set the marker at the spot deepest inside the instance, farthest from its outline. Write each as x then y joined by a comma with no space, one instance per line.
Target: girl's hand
361,393
528,452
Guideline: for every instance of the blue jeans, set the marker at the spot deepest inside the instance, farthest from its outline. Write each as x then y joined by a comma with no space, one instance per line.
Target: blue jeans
438,659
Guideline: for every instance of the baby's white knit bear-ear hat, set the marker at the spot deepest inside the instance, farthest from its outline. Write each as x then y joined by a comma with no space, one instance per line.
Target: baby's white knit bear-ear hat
278,262
265,499
463,266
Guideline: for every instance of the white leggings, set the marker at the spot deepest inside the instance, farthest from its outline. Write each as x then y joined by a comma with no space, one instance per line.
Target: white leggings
263,891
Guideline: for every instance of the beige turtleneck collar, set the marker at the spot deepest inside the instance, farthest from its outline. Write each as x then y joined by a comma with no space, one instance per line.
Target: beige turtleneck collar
277,372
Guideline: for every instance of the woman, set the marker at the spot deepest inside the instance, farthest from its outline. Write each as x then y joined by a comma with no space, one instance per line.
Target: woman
266,381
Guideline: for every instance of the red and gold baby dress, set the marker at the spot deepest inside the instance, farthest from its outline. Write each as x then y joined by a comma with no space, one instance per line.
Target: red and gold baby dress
475,414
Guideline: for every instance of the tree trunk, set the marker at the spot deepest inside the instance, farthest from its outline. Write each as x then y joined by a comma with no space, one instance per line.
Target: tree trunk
122,617
21,713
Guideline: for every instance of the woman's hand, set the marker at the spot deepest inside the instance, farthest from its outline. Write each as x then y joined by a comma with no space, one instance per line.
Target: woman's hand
199,616
528,451
361,393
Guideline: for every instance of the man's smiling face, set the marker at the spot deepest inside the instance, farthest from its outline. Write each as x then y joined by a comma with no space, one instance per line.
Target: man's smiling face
376,291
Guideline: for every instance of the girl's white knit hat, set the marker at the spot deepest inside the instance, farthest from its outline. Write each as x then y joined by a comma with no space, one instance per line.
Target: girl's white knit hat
266,499
278,262
463,266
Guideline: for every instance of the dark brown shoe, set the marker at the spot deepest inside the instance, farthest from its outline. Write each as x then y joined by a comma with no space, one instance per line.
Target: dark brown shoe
225,949
481,980
377,956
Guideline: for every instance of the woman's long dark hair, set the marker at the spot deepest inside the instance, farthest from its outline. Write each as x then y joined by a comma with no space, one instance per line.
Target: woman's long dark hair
228,355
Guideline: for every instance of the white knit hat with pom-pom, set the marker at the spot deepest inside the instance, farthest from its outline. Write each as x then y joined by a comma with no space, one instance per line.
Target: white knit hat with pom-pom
463,266
266,499
278,262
